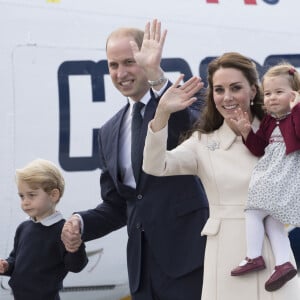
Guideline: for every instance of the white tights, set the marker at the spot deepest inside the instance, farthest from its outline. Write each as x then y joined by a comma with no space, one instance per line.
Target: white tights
257,223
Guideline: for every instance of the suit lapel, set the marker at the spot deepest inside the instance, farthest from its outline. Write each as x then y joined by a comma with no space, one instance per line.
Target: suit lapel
115,142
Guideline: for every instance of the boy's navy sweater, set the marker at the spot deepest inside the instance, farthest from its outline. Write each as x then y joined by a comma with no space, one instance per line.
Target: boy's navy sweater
39,261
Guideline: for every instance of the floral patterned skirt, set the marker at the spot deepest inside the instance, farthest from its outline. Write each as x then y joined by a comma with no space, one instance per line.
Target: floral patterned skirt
275,184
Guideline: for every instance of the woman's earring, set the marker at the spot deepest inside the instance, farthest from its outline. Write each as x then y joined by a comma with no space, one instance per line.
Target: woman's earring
251,102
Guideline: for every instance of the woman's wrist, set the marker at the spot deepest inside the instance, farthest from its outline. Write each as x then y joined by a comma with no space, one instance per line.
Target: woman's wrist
160,121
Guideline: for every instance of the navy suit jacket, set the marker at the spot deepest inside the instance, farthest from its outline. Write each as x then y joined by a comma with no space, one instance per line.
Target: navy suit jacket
169,211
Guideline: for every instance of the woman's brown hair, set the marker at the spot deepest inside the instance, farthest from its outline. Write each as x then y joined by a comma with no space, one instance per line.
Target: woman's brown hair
211,119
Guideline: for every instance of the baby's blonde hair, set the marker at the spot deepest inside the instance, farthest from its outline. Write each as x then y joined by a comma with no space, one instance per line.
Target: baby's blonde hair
41,173
284,69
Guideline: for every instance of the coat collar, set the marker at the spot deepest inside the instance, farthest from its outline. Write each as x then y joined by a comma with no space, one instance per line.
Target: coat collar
221,138
226,136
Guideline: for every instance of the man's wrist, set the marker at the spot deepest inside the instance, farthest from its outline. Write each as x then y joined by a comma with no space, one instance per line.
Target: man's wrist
161,80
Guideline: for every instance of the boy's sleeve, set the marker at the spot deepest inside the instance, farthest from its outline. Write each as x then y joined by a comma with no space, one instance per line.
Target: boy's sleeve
12,256
75,262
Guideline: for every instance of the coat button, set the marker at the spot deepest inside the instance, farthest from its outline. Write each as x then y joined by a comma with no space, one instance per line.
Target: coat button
138,225
140,197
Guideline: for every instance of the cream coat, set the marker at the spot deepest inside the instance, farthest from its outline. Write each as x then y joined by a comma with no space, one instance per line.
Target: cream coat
224,165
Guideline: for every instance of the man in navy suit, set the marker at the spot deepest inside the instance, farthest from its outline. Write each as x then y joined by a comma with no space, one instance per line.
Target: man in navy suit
164,215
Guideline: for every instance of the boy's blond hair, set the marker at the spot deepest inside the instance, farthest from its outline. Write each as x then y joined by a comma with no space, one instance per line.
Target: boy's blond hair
41,173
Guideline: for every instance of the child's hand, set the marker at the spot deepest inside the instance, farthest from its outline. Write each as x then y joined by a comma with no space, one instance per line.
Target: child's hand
295,100
242,123
3,266
70,235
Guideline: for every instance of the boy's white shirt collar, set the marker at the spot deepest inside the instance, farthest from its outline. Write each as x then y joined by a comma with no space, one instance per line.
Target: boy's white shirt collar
50,220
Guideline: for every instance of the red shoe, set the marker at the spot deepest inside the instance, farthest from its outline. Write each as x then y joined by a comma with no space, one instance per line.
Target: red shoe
249,265
283,273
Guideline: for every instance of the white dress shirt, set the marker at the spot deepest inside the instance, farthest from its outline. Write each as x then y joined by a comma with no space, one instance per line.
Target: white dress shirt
125,166
125,144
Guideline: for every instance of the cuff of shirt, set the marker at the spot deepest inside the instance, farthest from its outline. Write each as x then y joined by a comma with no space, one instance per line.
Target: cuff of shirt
81,222
159,93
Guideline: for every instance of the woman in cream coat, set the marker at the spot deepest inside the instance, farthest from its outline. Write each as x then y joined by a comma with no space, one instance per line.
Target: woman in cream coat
215,152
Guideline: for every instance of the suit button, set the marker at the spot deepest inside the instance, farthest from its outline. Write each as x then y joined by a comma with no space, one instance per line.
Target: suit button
140,197
138,225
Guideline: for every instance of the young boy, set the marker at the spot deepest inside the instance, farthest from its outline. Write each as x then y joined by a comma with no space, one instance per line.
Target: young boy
39,261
